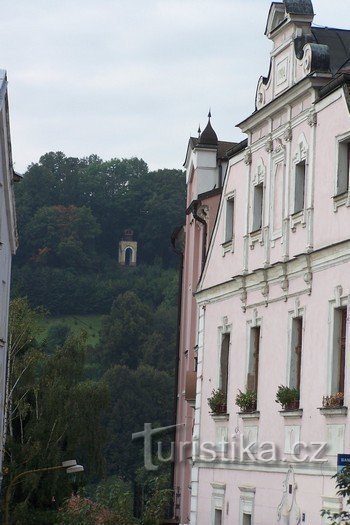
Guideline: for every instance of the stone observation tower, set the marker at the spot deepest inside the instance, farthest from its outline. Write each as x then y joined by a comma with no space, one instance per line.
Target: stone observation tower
128,249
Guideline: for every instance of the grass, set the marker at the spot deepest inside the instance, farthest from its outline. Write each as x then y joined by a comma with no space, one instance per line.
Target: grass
91,324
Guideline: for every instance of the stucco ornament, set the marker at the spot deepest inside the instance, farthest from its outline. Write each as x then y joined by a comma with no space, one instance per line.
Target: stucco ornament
307,60
269,144
288,512
279,145
248,157
288,133
312,118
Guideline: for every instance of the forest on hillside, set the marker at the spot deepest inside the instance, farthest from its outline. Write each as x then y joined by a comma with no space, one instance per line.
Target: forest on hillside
68,397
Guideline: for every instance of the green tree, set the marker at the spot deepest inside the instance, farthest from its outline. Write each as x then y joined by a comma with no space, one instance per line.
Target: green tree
61,236
343,486
124,331
137,397
49,409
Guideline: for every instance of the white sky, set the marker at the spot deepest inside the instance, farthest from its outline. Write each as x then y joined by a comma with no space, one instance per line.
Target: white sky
123,78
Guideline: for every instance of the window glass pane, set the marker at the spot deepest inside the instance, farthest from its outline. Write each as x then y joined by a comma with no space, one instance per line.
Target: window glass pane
258,206
247,519
296,352
339,346
224,360
253,372
229,219
343,168
218,517
299,190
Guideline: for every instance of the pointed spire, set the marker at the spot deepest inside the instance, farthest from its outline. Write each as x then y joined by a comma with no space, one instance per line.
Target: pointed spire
208,137
199,130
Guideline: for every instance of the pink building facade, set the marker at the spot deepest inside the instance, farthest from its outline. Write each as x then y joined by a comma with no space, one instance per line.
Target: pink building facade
273,299
206,163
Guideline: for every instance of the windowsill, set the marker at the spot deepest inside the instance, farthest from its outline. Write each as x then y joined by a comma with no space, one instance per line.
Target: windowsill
255,237
220,417
249,415
255,232
297,218
333,411
341,199
298,412
227,246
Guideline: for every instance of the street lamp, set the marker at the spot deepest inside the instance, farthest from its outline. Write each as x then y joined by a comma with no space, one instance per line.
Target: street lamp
71,467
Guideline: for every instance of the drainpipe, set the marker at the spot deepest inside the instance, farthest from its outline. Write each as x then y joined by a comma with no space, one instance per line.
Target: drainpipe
196,205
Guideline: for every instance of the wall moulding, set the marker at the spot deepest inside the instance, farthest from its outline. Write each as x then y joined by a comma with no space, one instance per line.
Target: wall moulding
300,266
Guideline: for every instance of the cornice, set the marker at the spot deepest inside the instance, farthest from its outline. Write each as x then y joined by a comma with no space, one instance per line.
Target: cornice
298,267
277,104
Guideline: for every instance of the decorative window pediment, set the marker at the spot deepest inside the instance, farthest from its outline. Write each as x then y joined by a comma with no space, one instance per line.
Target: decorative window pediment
276,16
259,173
302,150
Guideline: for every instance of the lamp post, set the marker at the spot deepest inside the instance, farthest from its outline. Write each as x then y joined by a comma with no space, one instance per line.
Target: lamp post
70,466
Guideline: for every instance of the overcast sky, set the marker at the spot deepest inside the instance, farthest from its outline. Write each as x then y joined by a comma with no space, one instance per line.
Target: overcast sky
124,78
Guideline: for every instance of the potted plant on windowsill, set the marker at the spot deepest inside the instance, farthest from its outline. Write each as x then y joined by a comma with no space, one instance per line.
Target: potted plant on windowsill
333,401
288,398
246,401
218,401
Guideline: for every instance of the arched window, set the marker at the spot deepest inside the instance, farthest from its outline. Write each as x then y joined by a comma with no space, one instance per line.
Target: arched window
128,256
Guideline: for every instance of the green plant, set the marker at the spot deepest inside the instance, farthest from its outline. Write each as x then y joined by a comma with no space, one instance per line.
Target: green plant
218,401
343,486
287,397
246,401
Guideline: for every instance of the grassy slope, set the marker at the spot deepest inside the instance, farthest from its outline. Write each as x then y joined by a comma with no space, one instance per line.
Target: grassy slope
91,324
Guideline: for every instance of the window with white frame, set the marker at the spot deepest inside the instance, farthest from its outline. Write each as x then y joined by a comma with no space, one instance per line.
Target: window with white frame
230,216
246,506
339,349
218,498
224,362
253,359
299,176
299,186
343,168
247,519
258,200
218,517
296,352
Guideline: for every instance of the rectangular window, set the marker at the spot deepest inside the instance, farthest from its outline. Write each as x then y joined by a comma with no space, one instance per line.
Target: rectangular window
247,519
343,167
299,189
229,227
258,207
296,353
253,369
224,360
339,348
218,517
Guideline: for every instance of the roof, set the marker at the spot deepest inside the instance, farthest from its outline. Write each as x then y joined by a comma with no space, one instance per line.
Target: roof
338,42
208,137
223,146
299,7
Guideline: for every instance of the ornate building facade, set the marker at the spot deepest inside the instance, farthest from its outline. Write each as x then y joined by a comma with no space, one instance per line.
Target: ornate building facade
271,320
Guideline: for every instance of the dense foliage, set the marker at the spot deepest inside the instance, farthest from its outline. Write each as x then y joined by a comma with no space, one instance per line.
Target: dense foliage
343,485
66,399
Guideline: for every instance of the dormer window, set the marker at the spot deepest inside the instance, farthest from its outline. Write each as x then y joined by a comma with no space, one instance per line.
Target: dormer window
276,17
